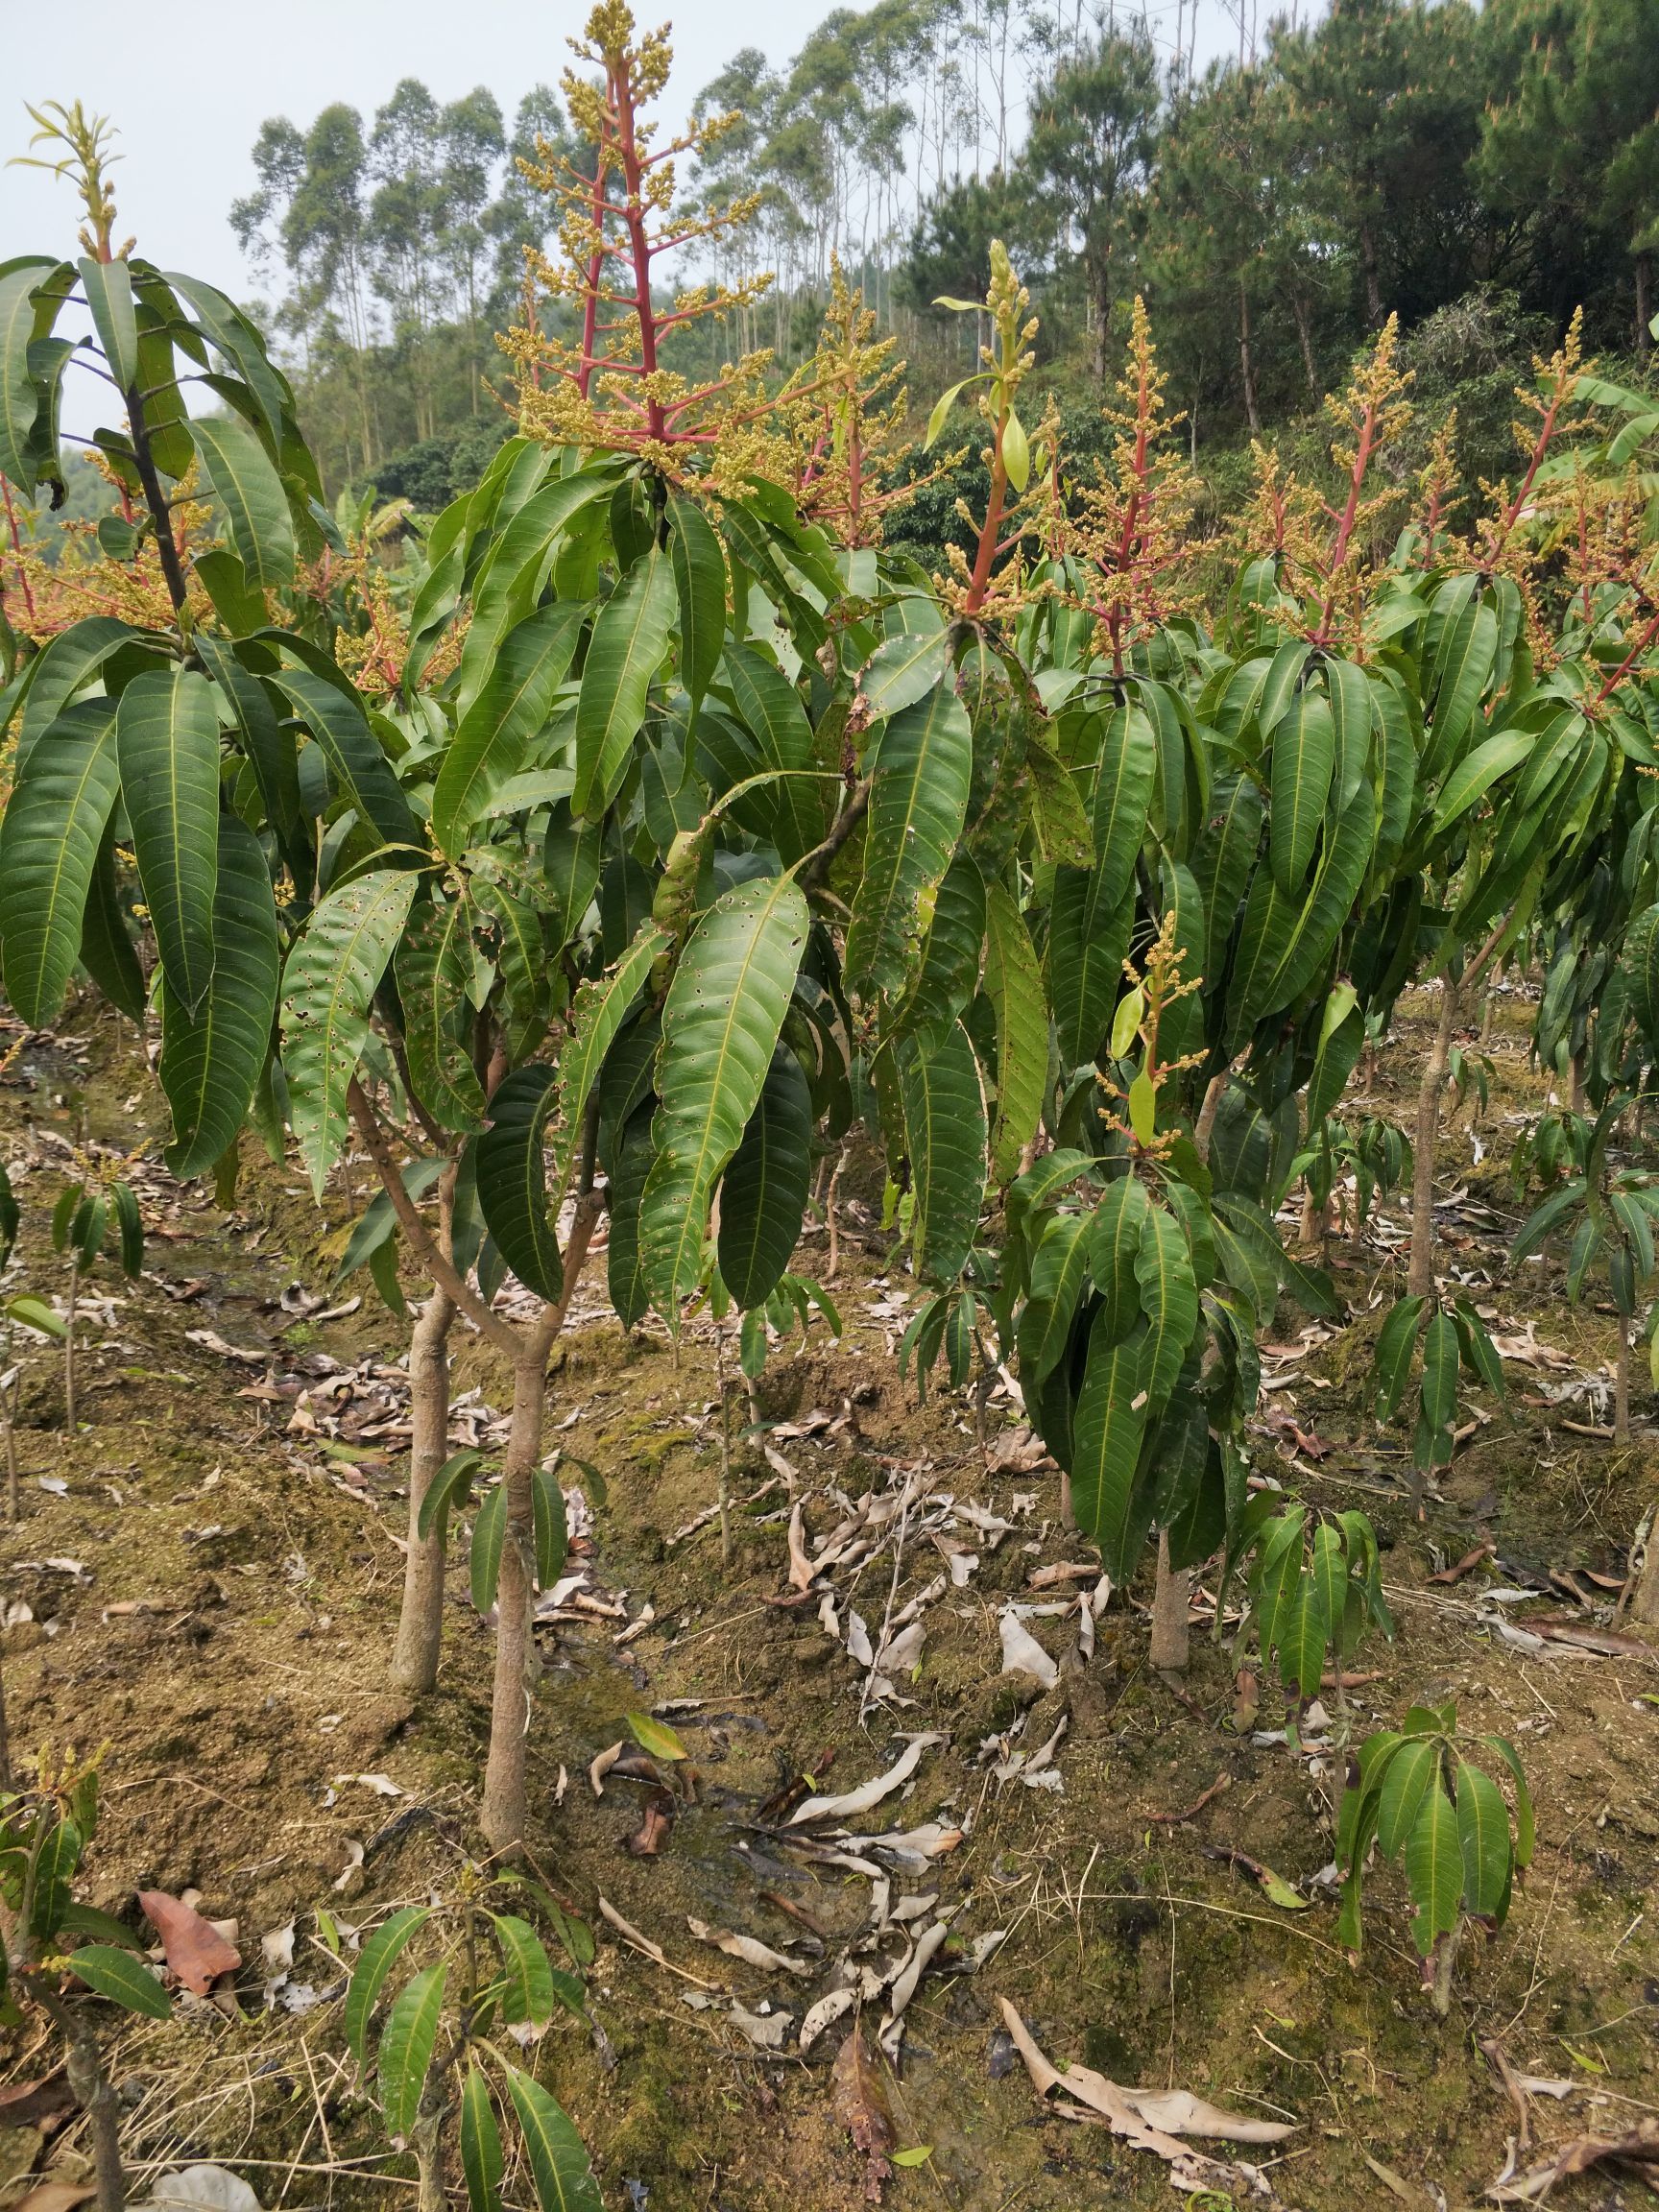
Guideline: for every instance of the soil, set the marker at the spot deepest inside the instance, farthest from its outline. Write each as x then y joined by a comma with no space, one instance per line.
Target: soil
205,1578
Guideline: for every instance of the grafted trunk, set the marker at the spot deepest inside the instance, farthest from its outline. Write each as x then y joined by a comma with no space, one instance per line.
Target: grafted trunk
1420,1282
504,1811
421,1623
1622,1384
1171,1620
95,2095
1644,1605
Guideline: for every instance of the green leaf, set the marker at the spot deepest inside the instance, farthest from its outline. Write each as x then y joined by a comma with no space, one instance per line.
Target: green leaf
949,971
1413,1770
109,289
597,1015
210,1060
551,1526
946,399
448,1488
1059,1274
50,836
1107,1429
246,484
1475,774
919,2156
700,582
358,770
433,965
629,638
656,1739
55,1858
167,744
408,2042
903,669
1440,1373
1483,1837
1087,941
481,2158
20,395
32,1312
1169,1299
918,806
1639,964
1304,759
1433,1869
1014,986
944,1131
558,2157
1526,1826
379,1955
1396,1342
1016,452
1114,1237
492,737
513,1180
127,1981
488,1539
132,1228
327,987
106,949
720,1025
529,1974
1123,778
764,1191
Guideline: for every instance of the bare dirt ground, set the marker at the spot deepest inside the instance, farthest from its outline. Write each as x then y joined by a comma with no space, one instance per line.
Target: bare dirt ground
206,1576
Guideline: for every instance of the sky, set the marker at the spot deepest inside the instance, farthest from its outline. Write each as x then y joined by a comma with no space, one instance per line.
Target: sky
189,81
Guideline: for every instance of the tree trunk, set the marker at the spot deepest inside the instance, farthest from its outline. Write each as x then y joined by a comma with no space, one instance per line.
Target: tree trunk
1171,1623
1622,1384
69,1348
504,1810
4,1732
1576,1075
96,2097
1204,1128
1246,361
1305,334
1420,1283
1644,306
1373,283
421,1623
1645,1607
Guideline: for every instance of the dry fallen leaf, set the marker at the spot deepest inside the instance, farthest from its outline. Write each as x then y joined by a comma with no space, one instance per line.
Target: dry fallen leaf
868,1793
1639,2147
195,1951
857,2101
54,2197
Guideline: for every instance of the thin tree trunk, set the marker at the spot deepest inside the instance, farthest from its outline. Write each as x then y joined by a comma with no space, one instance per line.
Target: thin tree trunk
1645,1607
1622,1384
1576,1075
504,1810
5,1733
421,1623
1420,1283
1644,306
1204,1128
1373,283
96,2096
9,1420
1304,332
1171,1618
1246,361
69,1348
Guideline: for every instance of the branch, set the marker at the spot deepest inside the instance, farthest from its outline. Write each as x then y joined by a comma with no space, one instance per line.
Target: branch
442,1269
812,871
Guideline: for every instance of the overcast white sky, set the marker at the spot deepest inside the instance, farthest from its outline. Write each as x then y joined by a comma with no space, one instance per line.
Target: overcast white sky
189,82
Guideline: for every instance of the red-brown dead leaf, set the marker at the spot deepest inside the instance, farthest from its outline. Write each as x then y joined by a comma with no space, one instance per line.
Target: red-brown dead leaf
195,1951
857,2101
27,2103
655,1824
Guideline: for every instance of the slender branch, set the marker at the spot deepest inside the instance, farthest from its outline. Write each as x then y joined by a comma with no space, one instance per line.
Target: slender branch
817,864
422,1241
166,545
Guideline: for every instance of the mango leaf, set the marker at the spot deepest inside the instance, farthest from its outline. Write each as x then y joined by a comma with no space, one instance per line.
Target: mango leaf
1169,1299
1014,986
491,740
903,670
19,393
211,1060
700,580
1304,759
1475,774
327,987
1483,1838
358,770
764,1191
1433,1869
122,1979
379,1955
513,1180
109,289
1088,939
1396,1342
1123,779
949,971
246,484
1107,1428
1059,1276
528,1995
408,2042
1526,1826
944,1112
721,1022
655,1738
488,1541
50,836
924,758
434,968
629,638
481,2157
598,1013
167,744
551,1528
558,2158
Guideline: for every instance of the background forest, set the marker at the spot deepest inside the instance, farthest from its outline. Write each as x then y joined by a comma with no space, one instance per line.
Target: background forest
1478,171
